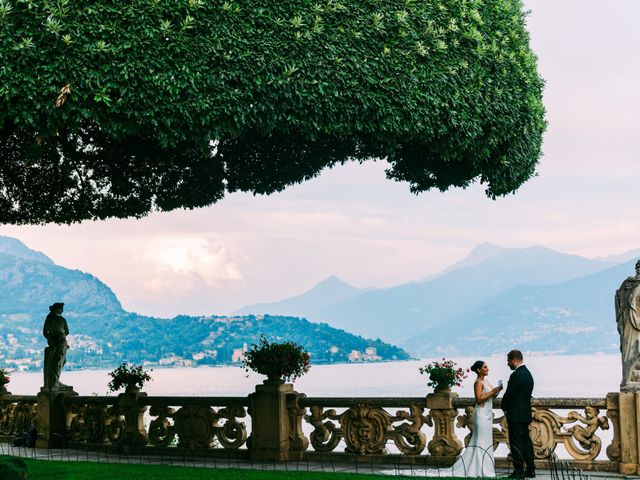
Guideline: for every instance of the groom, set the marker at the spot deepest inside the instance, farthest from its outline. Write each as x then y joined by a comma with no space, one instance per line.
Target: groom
516,404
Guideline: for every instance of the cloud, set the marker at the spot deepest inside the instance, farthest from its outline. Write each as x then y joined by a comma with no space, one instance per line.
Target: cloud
204,258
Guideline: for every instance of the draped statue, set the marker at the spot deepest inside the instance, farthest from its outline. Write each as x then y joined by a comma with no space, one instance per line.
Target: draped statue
628,319
55,330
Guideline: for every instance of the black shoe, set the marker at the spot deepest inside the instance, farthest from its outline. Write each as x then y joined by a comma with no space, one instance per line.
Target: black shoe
516,475
530,475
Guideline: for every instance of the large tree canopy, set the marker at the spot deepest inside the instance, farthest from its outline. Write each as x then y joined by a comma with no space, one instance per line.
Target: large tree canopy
118,108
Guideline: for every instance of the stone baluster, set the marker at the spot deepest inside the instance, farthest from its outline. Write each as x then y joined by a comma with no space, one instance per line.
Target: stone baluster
298,441
629,413
129,406
272,435
52,417
441,417
613,413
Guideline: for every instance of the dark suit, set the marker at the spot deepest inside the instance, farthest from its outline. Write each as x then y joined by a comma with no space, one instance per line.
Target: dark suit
516,404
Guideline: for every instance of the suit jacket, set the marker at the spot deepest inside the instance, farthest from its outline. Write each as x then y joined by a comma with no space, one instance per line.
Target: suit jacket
516,401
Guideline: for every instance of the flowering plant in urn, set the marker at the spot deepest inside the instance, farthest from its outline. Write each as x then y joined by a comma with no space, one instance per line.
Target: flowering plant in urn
278,361
4,377
443,374
129,376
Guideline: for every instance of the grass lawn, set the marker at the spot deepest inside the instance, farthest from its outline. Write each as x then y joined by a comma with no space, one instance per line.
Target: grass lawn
52,470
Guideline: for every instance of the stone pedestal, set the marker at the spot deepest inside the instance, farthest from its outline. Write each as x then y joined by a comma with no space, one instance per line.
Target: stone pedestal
629,405
52,418
442,415
134,432
269,421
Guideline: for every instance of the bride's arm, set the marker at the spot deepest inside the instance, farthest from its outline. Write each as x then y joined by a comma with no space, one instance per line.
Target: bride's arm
481,396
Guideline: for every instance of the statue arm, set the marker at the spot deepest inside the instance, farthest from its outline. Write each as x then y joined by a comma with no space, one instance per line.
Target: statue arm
45,328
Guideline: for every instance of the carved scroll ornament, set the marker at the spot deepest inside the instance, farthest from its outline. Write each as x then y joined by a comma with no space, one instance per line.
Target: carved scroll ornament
408,436
16,417
549,429
326,435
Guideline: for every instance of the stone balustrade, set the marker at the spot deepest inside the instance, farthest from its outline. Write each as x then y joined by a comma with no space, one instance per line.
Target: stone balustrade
277,423
17,413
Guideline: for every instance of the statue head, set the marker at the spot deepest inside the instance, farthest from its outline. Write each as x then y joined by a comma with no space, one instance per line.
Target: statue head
56,307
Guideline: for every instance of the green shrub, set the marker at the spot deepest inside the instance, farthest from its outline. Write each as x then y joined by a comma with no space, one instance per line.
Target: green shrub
13,468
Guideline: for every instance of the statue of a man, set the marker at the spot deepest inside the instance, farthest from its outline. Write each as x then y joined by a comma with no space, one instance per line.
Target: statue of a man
55,330
628,320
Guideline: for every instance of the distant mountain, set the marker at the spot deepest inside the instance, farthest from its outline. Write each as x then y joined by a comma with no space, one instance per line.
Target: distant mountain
478,254
397,314
15,248
328,292
104,334
30,282
631,255
576,316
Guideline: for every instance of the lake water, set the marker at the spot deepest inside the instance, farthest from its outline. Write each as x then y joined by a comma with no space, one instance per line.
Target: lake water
555,376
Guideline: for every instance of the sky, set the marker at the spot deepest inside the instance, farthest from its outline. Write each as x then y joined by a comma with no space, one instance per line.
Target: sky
371,232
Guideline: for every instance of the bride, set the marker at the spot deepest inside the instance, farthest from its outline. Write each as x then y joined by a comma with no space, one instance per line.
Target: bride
477,459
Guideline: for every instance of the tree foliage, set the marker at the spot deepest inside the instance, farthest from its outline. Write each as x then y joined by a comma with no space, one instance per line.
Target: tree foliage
114,108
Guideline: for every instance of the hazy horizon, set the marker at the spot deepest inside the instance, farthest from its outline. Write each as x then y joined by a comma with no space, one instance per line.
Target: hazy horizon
371,232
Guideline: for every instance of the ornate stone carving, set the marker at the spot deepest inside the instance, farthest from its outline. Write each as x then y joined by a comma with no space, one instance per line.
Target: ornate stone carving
613,413
444,441
365,429
16,417
407,436
298,442
194,425
326,435
466,421
92,423
161,431
580,441
232,434
627,302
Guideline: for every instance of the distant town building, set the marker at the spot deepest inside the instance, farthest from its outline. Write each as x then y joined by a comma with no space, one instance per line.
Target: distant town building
238,353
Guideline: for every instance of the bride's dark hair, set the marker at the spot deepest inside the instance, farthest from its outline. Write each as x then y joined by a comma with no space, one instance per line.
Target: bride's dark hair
477,366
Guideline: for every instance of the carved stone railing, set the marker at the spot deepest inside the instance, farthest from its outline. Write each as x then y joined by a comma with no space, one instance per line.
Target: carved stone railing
422,430
17,413
155,423
413,426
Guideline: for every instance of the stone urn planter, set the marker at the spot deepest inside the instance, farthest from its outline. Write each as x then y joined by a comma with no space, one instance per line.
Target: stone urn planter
442,389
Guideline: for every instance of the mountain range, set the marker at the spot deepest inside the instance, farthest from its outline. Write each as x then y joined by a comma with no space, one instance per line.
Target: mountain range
495,299
103,334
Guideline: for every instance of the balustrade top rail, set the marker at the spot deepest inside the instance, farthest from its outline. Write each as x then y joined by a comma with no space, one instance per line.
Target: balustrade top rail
355,401
161,400
556,402
19,398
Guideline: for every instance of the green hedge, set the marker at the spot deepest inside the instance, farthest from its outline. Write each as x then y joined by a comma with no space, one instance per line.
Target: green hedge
13,468
118,108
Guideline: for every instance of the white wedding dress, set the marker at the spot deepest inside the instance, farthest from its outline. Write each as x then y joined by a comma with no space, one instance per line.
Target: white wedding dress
477,459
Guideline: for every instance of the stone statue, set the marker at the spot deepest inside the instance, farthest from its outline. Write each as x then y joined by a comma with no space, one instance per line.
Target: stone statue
55,330
628,320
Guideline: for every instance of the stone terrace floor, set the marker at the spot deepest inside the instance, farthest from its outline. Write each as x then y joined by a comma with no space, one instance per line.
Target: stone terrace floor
193,461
